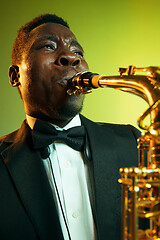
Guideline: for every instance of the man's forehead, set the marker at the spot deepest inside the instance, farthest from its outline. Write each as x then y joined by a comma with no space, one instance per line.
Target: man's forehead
53,32
54,29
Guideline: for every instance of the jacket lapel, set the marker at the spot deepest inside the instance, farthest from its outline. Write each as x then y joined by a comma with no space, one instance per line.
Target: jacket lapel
29,177
105,175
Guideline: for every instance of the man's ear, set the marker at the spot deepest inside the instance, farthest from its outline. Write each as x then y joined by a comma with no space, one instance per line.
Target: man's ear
14,75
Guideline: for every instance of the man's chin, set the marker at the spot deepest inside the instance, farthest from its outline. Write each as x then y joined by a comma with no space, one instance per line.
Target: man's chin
68,113
72,107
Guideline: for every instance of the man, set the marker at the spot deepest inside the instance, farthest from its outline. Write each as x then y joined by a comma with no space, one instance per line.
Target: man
47,189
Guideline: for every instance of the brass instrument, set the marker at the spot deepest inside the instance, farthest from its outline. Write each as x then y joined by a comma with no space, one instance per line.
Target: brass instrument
140,185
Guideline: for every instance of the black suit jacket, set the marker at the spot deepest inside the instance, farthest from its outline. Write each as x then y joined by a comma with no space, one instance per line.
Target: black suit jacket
27,208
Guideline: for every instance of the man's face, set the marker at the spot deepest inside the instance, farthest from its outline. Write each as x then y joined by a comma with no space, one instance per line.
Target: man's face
52,57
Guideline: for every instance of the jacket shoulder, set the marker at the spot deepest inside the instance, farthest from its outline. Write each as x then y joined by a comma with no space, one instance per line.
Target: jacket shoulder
118,129
122,128
7,140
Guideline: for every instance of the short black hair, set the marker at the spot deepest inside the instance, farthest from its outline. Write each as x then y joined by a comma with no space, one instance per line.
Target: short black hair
24,31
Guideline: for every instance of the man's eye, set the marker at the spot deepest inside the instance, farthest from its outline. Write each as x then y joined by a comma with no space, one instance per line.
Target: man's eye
79,53
48,46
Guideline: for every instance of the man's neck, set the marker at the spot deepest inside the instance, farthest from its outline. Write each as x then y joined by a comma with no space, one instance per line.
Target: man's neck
75,121
61,123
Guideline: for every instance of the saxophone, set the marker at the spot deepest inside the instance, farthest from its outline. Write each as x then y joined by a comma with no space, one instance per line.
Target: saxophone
140,185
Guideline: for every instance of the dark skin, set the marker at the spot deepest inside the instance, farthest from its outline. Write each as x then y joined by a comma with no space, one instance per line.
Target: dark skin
52,57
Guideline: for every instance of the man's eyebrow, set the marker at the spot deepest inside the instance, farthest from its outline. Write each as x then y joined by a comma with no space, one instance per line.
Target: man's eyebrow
75,42
52,38
55,39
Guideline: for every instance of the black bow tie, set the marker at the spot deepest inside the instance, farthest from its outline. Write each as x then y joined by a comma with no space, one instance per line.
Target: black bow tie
45,134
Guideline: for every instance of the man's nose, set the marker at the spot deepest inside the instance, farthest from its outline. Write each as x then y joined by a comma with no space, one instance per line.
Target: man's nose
69,60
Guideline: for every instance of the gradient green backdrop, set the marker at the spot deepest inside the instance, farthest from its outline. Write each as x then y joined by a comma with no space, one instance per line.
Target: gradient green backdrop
114,33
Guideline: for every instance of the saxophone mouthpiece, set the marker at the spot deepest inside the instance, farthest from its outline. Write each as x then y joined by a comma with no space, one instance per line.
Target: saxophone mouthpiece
81,83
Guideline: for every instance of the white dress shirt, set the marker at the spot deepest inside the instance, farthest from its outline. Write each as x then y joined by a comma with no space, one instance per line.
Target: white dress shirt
72,181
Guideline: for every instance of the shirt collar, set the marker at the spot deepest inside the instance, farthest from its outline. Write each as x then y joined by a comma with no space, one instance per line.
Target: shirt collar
76,121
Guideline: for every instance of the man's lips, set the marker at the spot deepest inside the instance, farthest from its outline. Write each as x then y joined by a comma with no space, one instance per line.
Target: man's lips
64,82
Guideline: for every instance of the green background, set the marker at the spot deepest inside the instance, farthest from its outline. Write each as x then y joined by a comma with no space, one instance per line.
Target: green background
113,33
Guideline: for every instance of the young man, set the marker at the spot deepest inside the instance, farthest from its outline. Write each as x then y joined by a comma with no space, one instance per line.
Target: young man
49,188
